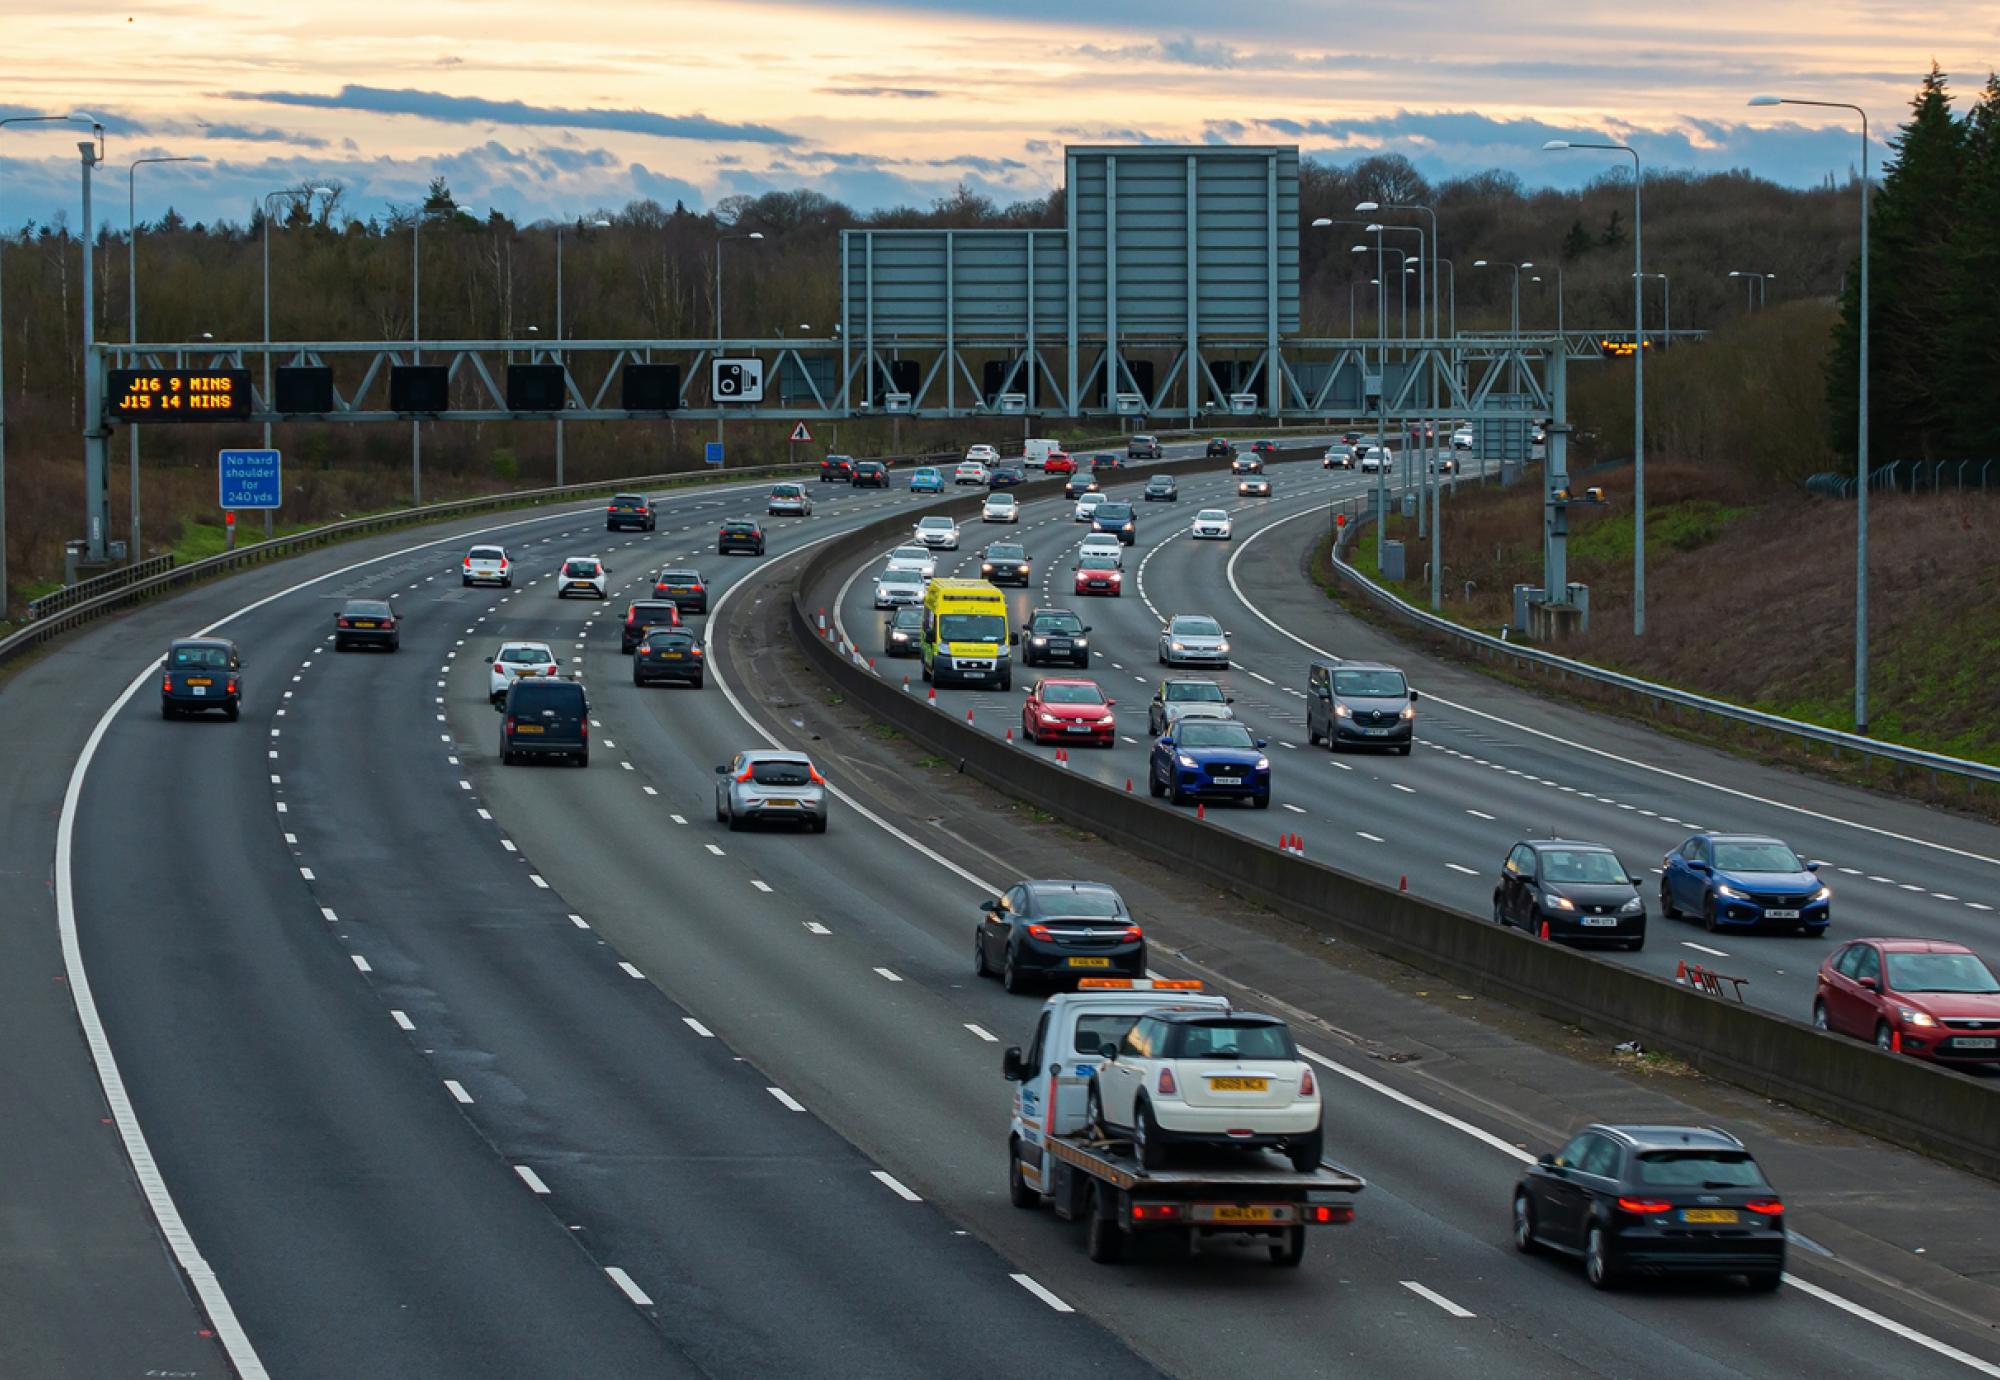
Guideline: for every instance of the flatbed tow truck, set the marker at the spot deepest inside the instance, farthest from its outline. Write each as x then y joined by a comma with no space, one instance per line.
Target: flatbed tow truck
1054,1157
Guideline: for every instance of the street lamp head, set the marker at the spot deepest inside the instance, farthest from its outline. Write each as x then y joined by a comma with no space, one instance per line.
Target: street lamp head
756,234
1766,100
1479,263
1555,145
1527,265
1359,249
1734,274
1374,227
1368,206
319,191
1535,278
1321,222
601,224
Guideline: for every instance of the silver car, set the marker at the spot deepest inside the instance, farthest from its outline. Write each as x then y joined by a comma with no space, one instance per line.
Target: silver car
1192,639
789,500
1188,698
895,588
770,786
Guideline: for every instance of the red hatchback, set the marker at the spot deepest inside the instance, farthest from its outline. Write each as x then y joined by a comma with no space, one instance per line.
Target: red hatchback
1068,711
1058,463
1926,997
1099,575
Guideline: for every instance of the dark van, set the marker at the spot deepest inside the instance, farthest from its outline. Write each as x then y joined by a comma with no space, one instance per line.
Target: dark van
1360,704
544,718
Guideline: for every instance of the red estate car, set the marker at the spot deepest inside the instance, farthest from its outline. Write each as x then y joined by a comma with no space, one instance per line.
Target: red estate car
1068,711
1099,575
1925,997
1059,462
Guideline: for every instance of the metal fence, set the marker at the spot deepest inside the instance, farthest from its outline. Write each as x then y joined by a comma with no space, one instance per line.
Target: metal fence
1912,477
70,595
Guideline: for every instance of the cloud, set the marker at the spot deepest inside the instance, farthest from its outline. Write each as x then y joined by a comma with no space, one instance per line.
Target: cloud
449,61
435,105
913,93
254,134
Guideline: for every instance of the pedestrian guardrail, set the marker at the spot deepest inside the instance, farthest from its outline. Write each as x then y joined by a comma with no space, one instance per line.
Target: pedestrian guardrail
1521,654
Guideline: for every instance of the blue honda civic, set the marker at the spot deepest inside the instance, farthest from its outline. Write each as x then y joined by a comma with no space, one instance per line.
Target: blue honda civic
1210,759
1736,881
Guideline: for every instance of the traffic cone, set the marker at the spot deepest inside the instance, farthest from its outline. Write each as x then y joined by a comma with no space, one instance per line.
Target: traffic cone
906,685
1895,1042
968,717
931,695
1128,785
1010,735
1544,931
1284,843
1404,884
871,663
822,620
1200,810
1681,973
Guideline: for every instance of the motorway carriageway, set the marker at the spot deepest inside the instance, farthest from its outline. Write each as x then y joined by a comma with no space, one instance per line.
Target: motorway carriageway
1491,765
455,1071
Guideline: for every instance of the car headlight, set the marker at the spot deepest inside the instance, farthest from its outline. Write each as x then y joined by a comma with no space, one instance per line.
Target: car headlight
1049,718
1175,647
986,567
1022,569
1731,892
1409,711
1633,906
1222,646
1188,761
1341,711
1562,903
1917,1018
1263,764
1823,894
1038,642
1080,643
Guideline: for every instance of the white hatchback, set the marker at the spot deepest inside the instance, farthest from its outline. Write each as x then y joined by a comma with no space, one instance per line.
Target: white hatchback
1212,524
487,565
1102,544
1207,1078
1001,508
938,532
1087,505
583,575
515,661
985,455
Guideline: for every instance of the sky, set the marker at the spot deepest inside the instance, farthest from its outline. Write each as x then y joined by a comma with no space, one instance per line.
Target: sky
546,110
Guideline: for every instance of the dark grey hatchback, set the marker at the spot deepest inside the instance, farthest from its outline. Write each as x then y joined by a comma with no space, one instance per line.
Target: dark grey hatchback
544,718
199,674
1574,892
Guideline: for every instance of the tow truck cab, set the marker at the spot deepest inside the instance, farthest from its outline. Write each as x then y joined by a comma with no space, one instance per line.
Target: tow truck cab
1052,1075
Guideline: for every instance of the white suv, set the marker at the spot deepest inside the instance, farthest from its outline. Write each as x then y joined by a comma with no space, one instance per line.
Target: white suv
1207,1078
585,575
516,660
938,532
485,564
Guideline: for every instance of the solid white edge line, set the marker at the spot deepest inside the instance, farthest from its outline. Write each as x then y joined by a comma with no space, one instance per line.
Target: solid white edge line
627,1287
898,1189
531,1179
1230,572
1028,1282
1439,1299
1908,1334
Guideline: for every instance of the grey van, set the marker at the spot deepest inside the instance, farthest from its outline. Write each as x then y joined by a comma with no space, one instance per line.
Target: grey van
1360,704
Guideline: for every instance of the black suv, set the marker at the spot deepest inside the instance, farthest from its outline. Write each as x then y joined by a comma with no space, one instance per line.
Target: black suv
630,510
836,469
1143,447
1055,637
366,623
1559,889
198,674
870,474
902,631
1682,1200
544,718
740,534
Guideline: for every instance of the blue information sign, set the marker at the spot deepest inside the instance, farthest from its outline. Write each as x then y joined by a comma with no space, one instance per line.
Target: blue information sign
712,453
251,478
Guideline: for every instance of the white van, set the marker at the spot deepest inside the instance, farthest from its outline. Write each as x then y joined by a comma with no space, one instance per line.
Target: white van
1037,450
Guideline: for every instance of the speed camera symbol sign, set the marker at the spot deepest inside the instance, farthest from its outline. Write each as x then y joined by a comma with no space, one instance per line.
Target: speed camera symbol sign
738,380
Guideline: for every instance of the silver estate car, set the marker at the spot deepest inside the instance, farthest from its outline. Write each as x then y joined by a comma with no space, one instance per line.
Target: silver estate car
1192,639
767,785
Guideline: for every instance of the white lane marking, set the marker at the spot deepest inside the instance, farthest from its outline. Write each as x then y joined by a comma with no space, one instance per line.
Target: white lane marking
1460,867
508,844
649,790
1977,905
331,918
1909,1334
484,813
579,922
402,1021
786,1100
698,1028
1266,679
1293,808
889,974
714,848
1230,572
307,873
458,1092
626,765
889,1181
1372,838
1909,886
983,1033
291,838
814,927
761,886
1439,1299
283,808
1703,948
536,878
1852,871
1342,765
1886,881
1028,1282
1283,744
1422,1108
1479,814
361,963
532,1180
678,819
627,1287
630,971
1407,790
1939,895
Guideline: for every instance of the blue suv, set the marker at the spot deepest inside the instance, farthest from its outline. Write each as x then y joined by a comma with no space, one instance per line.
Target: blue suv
1736,881
1210,759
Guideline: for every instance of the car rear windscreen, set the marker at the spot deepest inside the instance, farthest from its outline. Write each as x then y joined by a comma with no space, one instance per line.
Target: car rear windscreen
1084,903
1113,512
1230,1040
580,570
487,553
525,656
364,608
212,657
1698,1169
532,697
780,774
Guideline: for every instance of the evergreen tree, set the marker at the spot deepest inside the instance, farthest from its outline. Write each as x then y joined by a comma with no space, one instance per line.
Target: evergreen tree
1970,346
439,200
1911,225
1576,243
1614,230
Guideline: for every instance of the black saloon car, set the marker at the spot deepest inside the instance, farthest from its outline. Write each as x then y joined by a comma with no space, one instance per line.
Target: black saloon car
1684,1200
1575,892
1219,449
1055,637
366,623
1078,485
199,674
1057,930
740,534
630,510
871,474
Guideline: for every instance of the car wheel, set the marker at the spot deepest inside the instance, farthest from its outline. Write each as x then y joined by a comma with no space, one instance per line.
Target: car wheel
1153,786
721,815
1597,1266
1018,1192
1403,750
1765,1281
1305,1152
1633,946
735,824
1885,1038
1312,735
1104,1239
1499,913
1524,1225
1667,901
232,712
1260,802
1819,1015
465,584
1007,681
1011,977
980,967
1708,913
819,825
1093,1112
1175,793
1152,1151
695,683
167,712
583,758
506,758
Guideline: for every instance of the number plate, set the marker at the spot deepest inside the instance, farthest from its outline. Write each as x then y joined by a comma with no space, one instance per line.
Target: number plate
1237,1084
527,728
200,689
200,680
363,623
1079,728
1781,915
782,804
581,584
1974,1042
1090,963
673,656
1600,920
1725,1217
1228,780
1238,1212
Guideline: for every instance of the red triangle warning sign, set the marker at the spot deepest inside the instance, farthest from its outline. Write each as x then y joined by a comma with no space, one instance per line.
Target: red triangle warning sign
799,433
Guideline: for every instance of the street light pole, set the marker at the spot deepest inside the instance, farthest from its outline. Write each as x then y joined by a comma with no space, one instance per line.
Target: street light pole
1861,427
1638,378
721,240
132,316
561,357
416,342
75,117
269,400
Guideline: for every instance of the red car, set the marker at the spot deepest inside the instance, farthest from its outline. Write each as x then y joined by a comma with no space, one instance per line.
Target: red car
1099,575
1058,462
1264,447
1926,997
1068,711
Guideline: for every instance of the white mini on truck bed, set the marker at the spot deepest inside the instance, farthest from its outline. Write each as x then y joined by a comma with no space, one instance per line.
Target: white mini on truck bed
1055,1153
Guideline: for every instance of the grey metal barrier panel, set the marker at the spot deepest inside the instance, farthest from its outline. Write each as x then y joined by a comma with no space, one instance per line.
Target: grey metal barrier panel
86,610
1939,1111
1939,762
98,584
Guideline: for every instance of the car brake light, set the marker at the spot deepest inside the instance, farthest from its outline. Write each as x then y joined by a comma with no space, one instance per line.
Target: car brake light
694,651
1134,932
644,650
231,688
744,775
503,562
1156,1212
1168,1088
468,562
340,622
694,589
1306,1085
1765,1207
387,623
1040,932
817,779
167,681
611,507
1644,1207
583,726
1328,1214
508,725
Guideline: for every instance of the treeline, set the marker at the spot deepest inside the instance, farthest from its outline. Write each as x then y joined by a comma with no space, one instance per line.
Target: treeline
1934,287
